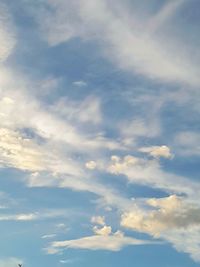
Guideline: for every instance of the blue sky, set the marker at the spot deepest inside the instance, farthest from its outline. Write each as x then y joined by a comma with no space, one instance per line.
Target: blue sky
99,133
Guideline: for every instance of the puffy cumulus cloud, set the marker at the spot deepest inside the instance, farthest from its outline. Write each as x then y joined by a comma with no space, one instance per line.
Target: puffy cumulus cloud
119,165
171,212
134,45
7,35
114,242
157,151
98,220
10,262
105,230
91,165
174,219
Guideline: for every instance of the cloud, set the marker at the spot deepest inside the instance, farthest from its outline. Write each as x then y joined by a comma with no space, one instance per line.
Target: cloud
19,152
85,111
98,220
68,261
157,151
128,41
7,35
113,242
48,236
173,218
164,14
41,215
149,172
120,165
25,142
186,241
187,143
105,230
91,165
80,83
171,212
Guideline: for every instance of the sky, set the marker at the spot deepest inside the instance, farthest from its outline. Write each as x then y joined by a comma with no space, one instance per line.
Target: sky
99,133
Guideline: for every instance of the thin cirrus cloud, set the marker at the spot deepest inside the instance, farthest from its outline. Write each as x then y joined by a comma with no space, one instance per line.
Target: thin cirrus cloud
40,215
134,47
7,34
114,242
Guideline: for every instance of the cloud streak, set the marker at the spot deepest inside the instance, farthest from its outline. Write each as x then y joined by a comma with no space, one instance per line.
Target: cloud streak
125,42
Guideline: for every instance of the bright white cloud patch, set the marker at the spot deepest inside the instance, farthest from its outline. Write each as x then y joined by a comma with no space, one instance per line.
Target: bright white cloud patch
157,151
19,152
90,165
105,230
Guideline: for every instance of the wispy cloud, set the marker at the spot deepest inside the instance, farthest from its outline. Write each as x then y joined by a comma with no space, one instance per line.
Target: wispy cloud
7,33
164,14
113,242
133,47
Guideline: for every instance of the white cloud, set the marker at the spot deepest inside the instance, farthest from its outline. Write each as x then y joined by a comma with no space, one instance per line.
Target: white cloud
134,46
41,215
119,165
19,152
7,35
157,151
187,143
97,242
91,165
98,220
147,126
48,236
85,111
173,218
149,172
80,83
164,14
67,261
105,230
168,213
186,241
